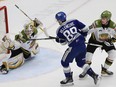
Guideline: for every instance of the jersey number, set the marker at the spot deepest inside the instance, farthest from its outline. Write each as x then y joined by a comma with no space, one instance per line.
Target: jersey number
69,34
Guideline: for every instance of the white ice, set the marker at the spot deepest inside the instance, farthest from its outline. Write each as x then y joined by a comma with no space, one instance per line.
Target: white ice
84,10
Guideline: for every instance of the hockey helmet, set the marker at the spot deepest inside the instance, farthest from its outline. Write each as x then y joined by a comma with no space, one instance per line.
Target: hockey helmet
106,14
60,16
28,32
29,28
29,25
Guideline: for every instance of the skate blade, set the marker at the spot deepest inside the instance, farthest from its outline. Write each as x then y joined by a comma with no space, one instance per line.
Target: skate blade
68,84
106,75
98,81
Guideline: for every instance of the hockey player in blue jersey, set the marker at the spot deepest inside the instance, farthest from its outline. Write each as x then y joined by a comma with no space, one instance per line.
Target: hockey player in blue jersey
73,33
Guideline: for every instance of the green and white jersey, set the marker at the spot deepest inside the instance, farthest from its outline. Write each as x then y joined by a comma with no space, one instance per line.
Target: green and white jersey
25,41
102,33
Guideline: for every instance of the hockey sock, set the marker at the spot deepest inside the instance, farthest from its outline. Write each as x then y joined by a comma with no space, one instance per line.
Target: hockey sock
108,63
90,72
67,72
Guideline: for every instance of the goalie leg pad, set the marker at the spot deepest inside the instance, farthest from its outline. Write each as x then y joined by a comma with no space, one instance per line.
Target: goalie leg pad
16,61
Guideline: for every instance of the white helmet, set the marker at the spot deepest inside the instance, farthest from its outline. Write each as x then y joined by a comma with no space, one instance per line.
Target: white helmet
29,28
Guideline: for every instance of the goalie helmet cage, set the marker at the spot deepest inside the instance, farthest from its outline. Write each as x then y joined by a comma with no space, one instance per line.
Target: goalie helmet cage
3,21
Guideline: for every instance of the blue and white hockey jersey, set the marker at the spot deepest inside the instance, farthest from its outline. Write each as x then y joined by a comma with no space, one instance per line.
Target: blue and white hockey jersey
71,32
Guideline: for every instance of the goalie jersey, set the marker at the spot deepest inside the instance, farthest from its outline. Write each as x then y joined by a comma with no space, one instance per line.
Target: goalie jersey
25,41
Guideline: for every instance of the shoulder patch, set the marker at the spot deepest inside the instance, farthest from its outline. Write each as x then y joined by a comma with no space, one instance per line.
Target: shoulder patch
98,23
112,24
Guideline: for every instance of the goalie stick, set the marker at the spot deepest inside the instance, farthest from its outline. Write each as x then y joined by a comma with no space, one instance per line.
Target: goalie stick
26,15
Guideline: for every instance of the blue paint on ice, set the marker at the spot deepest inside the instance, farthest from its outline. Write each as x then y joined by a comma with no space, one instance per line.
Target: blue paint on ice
46,61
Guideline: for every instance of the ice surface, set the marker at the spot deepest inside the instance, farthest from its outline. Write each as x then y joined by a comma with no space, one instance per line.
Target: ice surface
85,10
42,63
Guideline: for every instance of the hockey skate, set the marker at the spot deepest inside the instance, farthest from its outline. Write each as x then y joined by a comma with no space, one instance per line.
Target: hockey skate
105,72
83,75
68,81
3,68
96,79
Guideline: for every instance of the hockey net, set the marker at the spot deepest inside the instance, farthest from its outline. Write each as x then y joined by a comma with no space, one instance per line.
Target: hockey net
3,24
3,21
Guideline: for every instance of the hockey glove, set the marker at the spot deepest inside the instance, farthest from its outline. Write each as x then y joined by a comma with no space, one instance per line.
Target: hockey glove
113,39
37,22
108,42
60,40
51,37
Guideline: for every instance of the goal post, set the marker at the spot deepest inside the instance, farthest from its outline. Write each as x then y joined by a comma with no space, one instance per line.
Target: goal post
3,21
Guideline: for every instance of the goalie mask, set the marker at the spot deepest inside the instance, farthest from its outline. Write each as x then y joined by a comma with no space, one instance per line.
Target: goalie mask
29,28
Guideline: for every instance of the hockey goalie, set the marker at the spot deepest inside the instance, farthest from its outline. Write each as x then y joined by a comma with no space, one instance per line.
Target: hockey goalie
21,49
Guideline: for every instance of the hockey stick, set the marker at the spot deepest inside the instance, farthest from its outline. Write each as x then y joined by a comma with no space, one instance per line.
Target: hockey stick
93,44
26,15
56,38
44,38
